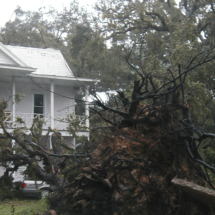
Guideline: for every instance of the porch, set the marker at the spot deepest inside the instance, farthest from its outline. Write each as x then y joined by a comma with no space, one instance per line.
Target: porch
60,122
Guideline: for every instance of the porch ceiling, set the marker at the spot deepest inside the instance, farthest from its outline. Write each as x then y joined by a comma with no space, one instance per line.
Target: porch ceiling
6,72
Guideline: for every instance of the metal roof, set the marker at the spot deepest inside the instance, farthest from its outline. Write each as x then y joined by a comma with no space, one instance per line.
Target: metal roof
47,61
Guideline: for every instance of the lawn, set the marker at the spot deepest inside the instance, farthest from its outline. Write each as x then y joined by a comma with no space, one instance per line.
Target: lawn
23,207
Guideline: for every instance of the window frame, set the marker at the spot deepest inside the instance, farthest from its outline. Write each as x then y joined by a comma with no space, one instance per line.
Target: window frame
33,103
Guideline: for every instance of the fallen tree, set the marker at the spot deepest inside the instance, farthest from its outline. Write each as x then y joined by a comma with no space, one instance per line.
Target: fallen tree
147,141
145,144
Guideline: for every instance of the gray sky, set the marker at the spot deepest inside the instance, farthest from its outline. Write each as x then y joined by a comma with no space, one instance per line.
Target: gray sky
7,8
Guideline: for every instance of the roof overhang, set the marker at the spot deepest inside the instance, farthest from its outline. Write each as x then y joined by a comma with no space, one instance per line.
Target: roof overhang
66,81
7,70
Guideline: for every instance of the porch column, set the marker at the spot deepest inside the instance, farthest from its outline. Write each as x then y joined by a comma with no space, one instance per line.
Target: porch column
13,99
87,112
52,104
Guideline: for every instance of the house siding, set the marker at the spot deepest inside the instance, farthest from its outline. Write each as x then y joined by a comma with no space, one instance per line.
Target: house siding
5,93
64,103
27,103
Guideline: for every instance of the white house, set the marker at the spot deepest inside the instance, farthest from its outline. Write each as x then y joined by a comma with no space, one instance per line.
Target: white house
47,83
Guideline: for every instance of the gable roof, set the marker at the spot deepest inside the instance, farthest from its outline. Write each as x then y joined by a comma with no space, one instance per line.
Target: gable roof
8,58
47,61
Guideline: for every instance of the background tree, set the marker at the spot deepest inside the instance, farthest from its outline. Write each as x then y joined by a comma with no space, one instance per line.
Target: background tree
168,34
45,28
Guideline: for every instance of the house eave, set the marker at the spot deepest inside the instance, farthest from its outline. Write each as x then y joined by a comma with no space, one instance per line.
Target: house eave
63,78
27,69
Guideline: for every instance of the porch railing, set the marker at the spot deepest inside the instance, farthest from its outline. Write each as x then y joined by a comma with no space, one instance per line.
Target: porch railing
26,120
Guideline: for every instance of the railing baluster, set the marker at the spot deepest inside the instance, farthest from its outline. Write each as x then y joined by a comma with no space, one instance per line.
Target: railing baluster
60,122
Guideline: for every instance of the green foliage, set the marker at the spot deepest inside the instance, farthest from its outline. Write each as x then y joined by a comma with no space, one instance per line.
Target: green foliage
20,120
96,45
38,208
164,36
18,97
36,128
74,125
200,103
24,207
43,28
6,187
3,106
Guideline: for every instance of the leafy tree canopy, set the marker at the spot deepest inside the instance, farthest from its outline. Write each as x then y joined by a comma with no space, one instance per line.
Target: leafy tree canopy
156,35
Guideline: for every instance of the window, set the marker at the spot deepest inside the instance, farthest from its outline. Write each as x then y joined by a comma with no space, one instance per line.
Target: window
38,104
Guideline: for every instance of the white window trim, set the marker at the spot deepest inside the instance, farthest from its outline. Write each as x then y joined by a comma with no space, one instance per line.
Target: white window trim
44,101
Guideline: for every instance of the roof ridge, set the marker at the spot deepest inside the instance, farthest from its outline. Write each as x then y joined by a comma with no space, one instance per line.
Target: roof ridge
26,47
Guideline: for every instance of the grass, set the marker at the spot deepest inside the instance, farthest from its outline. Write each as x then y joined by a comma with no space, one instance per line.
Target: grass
23,207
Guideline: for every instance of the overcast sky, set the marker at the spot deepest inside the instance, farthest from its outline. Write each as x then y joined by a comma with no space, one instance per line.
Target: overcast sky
7,8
